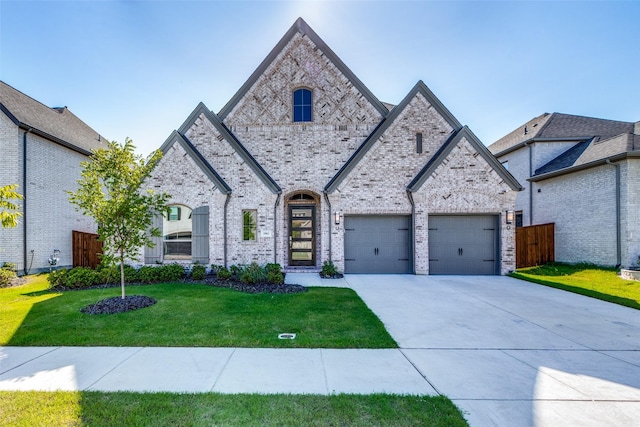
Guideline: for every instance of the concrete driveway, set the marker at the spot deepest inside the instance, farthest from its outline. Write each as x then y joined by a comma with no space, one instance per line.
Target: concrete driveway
512,353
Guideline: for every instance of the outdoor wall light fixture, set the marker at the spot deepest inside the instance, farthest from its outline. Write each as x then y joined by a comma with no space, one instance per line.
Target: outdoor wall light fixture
510,217
337,214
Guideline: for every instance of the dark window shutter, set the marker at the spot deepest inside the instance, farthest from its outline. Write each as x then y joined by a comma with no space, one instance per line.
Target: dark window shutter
154,255
200,236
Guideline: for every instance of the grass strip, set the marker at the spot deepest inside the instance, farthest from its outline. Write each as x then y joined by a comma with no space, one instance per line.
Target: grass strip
586,279
169,409
190,315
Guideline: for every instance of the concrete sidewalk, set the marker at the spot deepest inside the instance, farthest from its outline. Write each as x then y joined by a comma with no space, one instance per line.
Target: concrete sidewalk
507,352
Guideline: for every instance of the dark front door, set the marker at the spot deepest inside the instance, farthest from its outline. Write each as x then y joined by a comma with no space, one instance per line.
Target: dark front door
302,241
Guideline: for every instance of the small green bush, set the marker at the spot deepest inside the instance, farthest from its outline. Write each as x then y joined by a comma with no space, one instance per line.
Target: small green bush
149,274
253,273
81,277
171,273
275,278
273,268
6,276
9,266
198,271
57,277
329,269
223,273
236,270
215,268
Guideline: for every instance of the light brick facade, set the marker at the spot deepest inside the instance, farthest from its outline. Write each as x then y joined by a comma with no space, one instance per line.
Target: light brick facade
52,168
354,158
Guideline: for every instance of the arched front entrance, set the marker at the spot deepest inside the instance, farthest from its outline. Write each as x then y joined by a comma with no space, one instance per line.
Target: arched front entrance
302,210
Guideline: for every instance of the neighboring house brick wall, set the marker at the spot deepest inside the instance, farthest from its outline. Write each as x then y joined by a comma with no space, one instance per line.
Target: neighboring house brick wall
11,173
630,206
583,207
52,170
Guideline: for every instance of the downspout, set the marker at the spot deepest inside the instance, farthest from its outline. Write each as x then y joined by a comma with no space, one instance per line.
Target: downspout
226,204
275,229
413,230
618,225
326,197
24,200
527,144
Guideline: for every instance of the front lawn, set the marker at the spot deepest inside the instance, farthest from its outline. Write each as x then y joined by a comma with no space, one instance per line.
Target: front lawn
597,282
167,409
190,315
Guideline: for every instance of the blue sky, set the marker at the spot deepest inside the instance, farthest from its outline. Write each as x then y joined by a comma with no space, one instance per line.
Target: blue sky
138,69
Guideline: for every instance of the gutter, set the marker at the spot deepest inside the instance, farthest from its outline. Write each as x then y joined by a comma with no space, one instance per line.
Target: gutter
617,157
413,231
326,197
226,204
275,229
618,225
528,144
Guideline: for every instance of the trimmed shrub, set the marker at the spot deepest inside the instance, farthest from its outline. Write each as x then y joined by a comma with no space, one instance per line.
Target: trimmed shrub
223,273
215,268
57,277
11,266
171,272
81,277
198,271
275,278
6,276
273,268
149,274
236,270
253,273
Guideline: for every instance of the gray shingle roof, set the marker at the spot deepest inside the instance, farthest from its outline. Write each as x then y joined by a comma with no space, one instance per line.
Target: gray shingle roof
56,124
558,126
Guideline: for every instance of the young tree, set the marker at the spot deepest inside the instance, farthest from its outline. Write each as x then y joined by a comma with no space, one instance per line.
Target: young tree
111,192
8,209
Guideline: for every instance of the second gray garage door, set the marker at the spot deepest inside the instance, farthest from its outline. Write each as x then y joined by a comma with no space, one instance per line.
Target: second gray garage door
463,244
377,244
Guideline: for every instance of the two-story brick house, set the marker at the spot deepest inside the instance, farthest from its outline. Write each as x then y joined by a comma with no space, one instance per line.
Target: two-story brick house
41,149
305,165
583,175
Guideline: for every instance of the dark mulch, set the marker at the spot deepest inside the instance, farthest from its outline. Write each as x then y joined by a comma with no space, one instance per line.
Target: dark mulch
257,288
118,305
335,276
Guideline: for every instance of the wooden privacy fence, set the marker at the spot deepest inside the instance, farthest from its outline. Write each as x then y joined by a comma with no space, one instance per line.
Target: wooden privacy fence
534,245
86,249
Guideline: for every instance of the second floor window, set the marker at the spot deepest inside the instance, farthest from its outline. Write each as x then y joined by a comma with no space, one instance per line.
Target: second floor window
302,111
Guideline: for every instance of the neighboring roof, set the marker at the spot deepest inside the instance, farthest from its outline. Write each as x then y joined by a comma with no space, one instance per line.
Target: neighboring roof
561,127
421,88
233,141
197,158
301,26
56,124
446,149
591,154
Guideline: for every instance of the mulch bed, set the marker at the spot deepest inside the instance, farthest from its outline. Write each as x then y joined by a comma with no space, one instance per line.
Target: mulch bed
135,302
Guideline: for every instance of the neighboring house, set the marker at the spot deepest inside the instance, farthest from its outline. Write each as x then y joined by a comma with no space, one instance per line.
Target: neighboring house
583,174
305,165
41,150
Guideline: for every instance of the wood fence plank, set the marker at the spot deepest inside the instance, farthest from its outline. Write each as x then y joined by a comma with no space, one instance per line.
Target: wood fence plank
535,245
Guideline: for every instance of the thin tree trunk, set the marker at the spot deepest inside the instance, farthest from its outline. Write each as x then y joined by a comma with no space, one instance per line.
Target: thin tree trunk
122,275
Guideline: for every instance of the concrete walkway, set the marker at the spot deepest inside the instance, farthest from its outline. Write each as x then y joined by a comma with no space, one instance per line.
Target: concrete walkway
507,352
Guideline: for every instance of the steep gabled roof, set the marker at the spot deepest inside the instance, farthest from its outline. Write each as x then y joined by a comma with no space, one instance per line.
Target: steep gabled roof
55,124
566,159
446,149
419,88
199,160
301,26
560,127
233,141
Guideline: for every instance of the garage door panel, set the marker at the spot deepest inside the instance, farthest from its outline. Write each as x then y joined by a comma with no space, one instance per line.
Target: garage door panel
460,244
378,244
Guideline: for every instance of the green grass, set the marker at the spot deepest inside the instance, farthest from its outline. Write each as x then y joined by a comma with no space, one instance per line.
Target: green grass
590,280
167,409
190,315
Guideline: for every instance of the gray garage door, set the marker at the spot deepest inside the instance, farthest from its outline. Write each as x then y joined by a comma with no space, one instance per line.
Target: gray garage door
463,244
377,244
